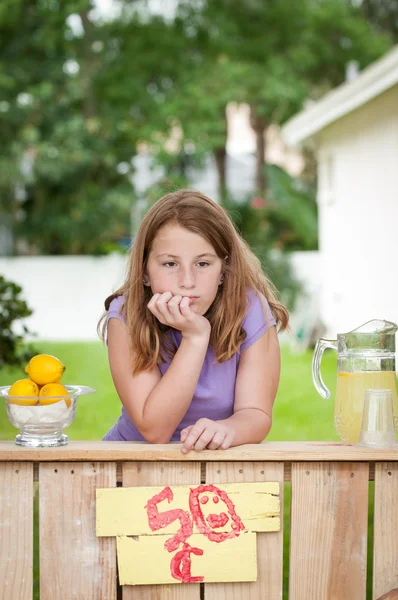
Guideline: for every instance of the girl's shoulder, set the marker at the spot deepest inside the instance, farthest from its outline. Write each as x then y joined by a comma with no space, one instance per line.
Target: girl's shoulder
258,318
116,308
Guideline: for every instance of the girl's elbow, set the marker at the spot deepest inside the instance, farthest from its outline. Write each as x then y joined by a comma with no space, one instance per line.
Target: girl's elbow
151,434
264,430
159,439
155,437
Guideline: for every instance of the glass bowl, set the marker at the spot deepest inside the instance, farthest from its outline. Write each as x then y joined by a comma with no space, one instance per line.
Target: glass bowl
43,425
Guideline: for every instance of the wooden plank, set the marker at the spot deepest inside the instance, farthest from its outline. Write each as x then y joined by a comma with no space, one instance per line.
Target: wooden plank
16,531
385,550
269,545
74,562
135,451
122,511
328,540
161,474
144,560
287,471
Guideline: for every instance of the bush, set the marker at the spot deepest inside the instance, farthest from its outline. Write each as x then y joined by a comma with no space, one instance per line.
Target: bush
13,350
253,224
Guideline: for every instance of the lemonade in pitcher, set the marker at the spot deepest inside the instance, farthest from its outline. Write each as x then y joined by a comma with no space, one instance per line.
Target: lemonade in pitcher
366,360
350,394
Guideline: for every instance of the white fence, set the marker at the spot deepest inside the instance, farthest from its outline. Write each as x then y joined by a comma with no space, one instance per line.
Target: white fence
67,293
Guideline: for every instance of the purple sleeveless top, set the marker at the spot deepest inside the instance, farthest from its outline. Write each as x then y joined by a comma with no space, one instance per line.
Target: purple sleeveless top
215,392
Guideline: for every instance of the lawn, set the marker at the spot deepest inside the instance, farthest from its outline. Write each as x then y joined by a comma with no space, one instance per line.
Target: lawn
299,413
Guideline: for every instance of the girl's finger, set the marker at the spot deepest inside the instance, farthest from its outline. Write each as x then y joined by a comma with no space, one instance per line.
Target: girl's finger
173,306
163,301
158,306
152,302
185,306
192,437
227,442
217,440
184,433
204,439
152,306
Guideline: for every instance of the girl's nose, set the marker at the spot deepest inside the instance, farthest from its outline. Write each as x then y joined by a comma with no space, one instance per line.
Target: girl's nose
187,278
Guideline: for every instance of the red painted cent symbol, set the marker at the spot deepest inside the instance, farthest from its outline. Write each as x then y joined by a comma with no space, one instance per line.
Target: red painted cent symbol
180,566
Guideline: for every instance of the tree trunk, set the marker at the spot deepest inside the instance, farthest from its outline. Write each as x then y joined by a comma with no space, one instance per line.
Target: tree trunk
220,155
259,126
12,221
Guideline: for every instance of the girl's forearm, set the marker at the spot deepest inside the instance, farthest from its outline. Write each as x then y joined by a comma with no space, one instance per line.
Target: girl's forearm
169,400
250,426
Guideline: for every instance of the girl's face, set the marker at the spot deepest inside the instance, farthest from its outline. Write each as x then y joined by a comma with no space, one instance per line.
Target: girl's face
184,263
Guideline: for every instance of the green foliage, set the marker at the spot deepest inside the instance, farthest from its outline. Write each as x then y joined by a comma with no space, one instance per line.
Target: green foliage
272,56
292,211
285,221
13,351
383,14
63,135
252,224
77,101
166,185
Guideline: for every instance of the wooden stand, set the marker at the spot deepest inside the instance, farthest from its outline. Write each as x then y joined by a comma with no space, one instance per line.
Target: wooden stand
328,518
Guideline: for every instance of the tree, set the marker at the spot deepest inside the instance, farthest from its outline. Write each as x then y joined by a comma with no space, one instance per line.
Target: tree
287,53
227,57
69,129
272,56
79,95
58,174
197,107
383,14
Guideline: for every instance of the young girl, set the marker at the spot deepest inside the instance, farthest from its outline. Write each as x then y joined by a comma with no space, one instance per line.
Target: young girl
191,334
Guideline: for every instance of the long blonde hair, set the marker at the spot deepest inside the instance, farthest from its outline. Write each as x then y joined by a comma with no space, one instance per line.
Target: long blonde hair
241,268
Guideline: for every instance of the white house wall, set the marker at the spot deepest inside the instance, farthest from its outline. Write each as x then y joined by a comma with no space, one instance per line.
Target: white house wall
358,215
67,293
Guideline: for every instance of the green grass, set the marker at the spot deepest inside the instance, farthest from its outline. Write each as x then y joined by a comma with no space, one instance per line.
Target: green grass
86,364
299,413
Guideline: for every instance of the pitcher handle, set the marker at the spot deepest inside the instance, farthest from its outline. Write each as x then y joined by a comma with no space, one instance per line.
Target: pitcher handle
320,347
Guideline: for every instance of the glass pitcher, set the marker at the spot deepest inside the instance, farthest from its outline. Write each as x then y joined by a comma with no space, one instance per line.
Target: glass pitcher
365,360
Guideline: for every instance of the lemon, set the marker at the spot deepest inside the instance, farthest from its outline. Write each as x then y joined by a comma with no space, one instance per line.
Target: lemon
26,390
49,394
44,368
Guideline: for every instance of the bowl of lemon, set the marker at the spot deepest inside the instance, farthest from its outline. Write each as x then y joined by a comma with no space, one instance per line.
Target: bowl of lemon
39,405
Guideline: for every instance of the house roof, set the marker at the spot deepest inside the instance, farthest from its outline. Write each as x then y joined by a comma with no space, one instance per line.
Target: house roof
372,81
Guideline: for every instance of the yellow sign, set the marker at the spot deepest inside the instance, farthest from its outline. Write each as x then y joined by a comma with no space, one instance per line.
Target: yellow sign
188,534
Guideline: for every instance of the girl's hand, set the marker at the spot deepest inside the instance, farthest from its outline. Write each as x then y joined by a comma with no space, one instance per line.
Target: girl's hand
175,312
206,434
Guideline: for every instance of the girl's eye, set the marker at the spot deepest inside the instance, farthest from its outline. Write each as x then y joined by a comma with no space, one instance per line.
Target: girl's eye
171,263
